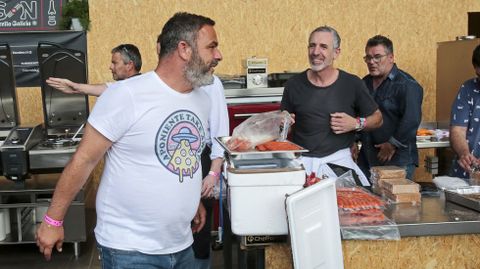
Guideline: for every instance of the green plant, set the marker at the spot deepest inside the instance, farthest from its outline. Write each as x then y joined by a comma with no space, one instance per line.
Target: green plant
75,9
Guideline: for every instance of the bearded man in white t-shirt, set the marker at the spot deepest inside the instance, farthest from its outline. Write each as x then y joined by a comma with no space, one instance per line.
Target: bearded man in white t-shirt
153,128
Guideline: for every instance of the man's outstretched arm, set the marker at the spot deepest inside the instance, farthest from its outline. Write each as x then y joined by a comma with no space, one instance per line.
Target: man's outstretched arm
70,87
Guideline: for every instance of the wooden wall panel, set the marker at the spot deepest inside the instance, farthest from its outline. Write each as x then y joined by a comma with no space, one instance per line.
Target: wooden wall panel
29,102
278,30
439,252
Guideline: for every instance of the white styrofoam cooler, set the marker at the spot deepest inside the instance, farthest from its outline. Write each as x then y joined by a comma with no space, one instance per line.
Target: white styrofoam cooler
314,227
257,200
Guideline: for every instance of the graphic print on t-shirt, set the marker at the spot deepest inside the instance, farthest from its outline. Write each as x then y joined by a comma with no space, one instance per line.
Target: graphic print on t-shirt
180,142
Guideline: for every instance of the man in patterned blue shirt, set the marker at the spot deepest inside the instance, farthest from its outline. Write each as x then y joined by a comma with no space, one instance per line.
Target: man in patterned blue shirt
465,123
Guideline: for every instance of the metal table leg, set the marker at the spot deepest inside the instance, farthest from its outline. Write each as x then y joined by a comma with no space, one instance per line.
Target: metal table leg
227,239
76,249
260,264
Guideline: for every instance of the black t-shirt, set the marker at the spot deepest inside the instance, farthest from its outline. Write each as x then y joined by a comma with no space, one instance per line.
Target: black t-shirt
312,106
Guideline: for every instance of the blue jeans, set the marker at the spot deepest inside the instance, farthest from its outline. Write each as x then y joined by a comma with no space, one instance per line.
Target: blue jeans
124,259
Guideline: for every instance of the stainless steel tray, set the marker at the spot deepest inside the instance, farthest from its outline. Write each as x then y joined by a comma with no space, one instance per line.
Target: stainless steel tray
464,197
255,154
266,164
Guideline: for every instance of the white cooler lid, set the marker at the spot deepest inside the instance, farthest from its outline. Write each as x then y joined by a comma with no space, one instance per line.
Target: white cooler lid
314,227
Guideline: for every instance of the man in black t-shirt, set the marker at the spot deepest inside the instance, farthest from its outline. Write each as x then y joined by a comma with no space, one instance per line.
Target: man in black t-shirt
329,105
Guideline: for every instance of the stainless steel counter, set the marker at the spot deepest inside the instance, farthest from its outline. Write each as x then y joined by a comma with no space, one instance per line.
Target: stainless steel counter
43,157
433,144
434,216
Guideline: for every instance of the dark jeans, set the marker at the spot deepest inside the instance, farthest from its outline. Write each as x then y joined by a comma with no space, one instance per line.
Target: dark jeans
201,240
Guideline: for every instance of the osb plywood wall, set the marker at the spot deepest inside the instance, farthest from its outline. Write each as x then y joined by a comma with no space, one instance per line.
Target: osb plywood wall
278,30
436,252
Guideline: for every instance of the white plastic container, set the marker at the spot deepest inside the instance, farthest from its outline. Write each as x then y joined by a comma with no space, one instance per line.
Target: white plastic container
256,201
315,227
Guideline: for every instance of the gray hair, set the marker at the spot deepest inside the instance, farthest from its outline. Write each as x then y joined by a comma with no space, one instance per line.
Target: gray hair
129,53
181,27
328,29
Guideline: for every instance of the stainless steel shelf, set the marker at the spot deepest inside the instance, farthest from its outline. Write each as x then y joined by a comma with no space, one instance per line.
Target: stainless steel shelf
26,202
257,95
277,91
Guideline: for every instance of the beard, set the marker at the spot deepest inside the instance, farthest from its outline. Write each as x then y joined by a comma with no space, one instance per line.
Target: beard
319,67
197,72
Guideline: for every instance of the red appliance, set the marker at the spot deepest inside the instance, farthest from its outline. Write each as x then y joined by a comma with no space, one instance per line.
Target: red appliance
237,113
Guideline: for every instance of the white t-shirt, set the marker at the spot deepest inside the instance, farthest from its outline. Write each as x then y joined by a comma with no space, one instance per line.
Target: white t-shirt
150,187
218,118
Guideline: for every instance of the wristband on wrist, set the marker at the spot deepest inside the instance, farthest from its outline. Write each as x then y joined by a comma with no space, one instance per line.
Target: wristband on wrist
215,174
52,222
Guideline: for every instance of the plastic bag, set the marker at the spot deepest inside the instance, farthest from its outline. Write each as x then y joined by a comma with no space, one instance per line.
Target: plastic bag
220,189
354,199
475,176
345,180
260,128
386,230
361,216
446,182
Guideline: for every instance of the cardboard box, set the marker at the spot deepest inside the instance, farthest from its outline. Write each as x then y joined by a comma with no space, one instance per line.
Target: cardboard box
381,182
401,186
388,172
413,198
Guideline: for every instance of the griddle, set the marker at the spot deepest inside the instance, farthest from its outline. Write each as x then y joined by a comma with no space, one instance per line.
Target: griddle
467,197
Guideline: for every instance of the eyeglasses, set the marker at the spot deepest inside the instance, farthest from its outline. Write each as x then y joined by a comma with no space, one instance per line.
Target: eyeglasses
376,58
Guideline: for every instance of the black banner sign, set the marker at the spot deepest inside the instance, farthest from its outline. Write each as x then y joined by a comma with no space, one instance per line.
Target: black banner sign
24,51
30,15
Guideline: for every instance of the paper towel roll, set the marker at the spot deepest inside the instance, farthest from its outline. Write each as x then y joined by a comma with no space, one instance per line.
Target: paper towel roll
7,220
3,234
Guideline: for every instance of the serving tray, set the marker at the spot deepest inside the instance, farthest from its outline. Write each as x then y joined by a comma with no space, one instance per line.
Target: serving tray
224,139
467,197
